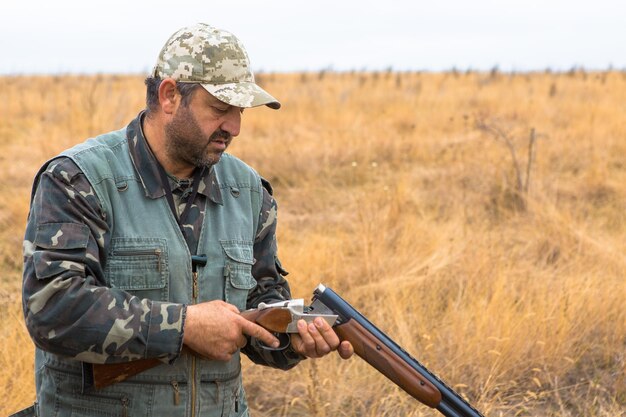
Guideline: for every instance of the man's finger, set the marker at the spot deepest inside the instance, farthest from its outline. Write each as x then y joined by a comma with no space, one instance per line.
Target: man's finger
224,357
345,350
242,342
307,347
258,332
321,345
327,333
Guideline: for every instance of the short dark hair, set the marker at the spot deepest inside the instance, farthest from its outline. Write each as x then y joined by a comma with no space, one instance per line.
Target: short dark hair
186,91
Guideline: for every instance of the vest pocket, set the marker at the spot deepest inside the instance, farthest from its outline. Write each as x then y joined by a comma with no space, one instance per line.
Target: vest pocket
238,271
139,266
222,398
102,406
61,395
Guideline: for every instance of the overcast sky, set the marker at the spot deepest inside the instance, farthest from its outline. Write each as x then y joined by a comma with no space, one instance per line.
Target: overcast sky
115,36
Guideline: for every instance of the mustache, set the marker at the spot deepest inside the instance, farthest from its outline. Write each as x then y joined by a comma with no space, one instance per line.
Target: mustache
220,134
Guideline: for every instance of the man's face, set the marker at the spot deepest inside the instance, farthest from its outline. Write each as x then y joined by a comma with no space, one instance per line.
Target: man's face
201,130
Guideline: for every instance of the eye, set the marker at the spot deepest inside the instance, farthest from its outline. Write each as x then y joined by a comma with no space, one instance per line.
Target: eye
220,110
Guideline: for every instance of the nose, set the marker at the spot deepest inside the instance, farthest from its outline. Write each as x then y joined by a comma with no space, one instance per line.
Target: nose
232,121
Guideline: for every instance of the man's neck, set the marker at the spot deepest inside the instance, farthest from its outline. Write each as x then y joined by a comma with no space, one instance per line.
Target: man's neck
153,130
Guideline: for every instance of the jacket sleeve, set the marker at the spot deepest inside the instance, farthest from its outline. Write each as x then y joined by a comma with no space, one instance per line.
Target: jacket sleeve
271,284
68,308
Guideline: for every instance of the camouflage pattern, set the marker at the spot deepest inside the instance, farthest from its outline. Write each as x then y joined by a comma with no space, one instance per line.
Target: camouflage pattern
216,59
71,312
63,292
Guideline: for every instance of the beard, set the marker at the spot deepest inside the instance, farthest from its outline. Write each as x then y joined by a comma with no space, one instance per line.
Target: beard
186,143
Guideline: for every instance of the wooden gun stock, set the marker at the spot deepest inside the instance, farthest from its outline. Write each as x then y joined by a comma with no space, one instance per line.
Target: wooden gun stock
102,375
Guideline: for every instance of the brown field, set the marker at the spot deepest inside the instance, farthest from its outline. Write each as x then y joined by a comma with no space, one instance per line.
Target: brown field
477,218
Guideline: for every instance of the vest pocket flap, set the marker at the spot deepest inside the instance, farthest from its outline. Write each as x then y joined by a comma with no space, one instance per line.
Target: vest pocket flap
238,250
62,236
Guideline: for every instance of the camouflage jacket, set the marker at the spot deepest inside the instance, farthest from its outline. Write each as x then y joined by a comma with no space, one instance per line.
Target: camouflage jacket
64,292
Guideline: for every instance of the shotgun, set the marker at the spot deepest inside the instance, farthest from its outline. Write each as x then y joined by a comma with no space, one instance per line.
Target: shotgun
369,343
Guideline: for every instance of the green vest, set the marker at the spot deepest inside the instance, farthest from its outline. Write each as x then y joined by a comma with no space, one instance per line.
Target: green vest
149,258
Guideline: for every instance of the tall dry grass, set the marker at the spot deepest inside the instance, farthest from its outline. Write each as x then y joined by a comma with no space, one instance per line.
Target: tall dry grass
496,259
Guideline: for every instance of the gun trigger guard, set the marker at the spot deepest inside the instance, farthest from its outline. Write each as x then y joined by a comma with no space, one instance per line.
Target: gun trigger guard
283,338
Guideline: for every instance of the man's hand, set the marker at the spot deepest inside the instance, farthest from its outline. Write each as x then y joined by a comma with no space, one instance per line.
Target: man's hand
318,339
216,330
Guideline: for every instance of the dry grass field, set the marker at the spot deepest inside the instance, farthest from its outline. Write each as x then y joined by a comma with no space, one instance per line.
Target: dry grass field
477,218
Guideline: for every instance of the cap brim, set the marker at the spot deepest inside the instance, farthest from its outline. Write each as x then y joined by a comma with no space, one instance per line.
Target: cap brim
242,94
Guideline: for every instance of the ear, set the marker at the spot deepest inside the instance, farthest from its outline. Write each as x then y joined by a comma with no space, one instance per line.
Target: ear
168,95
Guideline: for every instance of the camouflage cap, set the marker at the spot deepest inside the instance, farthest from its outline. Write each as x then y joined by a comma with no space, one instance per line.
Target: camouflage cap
217,60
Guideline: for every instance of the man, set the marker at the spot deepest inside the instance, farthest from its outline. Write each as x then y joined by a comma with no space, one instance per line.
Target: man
149,239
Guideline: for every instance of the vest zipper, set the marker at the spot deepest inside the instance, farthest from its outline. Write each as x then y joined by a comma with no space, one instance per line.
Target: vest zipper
193,357
193,386
142,252
195,287
176,392
124,407
157,252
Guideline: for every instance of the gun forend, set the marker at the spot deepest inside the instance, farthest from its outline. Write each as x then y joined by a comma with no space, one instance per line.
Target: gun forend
388,363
